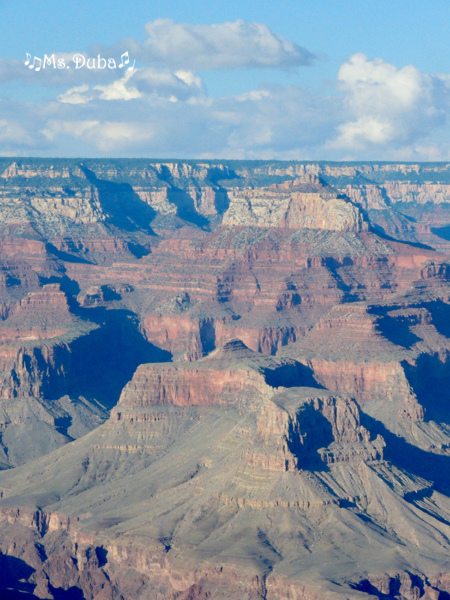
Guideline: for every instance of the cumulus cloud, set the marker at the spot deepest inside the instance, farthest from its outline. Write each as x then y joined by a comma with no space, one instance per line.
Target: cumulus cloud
230,45
146,83
120,89
387,105
79,94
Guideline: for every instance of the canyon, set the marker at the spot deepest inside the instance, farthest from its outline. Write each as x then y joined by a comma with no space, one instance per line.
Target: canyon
224,380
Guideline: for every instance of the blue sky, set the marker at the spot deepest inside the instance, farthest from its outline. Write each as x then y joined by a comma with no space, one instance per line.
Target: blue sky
289,79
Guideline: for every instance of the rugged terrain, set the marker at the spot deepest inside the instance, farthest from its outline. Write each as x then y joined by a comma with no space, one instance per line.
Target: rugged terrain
224,380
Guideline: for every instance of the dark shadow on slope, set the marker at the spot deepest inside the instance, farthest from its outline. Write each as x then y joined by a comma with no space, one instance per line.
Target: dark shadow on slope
182,200
395,585
333,265
380,232
216,175
69,286
222,201
207,336
98,365
440,316
16,595
13,574
310,432
73,593
65,256
185,207
397,331
368,588
11,281
137,250
122,206
109,294
434,467
296,375
442,232
62,425
102,555
430,380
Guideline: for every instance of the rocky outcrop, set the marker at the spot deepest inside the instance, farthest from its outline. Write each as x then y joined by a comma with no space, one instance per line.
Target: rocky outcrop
219,379
182,386
287,207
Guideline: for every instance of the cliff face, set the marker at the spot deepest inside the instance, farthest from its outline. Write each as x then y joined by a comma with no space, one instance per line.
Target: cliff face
295,206
232,378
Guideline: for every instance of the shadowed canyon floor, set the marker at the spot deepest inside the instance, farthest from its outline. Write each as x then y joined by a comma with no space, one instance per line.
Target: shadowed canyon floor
224,380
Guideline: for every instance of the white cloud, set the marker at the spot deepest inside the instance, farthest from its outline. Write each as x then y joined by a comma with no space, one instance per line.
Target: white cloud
119,89
190,78
146,83
367,129
164,83
230,45
387,105
76,95
113,135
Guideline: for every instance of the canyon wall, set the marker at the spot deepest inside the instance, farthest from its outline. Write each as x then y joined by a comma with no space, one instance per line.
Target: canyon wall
224,379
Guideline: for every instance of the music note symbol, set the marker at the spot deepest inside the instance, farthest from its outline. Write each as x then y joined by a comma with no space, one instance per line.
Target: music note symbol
132,66
27,62
126,61
33,66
